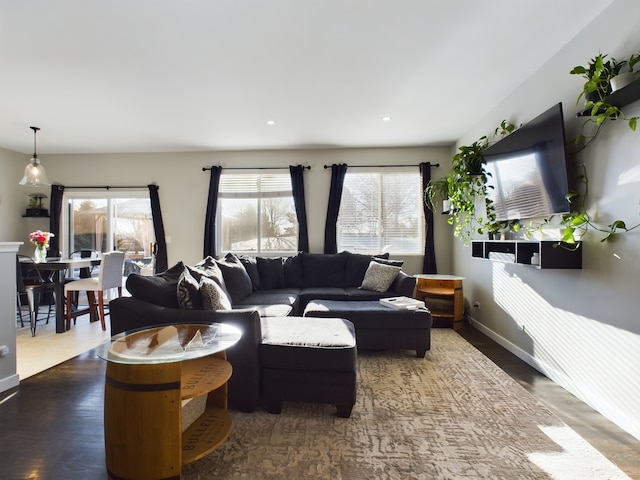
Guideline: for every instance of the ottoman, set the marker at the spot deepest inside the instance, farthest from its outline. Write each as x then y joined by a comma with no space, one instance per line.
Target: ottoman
308,360
379,327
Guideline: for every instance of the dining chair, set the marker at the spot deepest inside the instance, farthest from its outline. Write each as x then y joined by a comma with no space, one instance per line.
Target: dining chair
110,277
31,283
84,272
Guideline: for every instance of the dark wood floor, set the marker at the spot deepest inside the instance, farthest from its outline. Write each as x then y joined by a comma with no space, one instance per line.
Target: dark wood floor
613,442
51,425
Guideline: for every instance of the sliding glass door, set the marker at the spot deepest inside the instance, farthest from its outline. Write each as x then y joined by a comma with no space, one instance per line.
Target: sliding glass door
104,221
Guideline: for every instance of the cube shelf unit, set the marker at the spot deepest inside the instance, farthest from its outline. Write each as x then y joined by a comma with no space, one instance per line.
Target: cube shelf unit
552,253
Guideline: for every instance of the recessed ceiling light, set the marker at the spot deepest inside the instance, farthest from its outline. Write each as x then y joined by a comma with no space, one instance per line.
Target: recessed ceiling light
271,122
386,118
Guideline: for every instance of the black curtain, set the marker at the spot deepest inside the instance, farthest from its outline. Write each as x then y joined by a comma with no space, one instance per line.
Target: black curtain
297,186
429,262
158,227
338,172
55,212
210,217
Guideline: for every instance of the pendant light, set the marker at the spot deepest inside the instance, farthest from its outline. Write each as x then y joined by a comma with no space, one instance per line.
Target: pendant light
34,174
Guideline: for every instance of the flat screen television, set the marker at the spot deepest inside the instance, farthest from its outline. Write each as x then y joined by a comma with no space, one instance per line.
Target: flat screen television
527,170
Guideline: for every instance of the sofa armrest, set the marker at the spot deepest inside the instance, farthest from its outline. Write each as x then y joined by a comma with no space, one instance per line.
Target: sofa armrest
404,285
128,313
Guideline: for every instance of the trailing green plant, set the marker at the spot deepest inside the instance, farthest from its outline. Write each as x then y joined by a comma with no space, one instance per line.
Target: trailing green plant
598,74
578,222
463,185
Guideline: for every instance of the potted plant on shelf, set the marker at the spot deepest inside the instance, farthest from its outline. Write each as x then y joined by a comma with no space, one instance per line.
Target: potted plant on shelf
598,74
463,185
623,79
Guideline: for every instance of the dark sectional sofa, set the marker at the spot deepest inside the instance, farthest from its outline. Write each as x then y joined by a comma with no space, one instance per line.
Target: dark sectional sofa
249,289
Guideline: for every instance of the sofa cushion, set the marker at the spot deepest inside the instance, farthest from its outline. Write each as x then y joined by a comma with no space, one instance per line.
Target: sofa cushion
212,295
379,277
283,296
158,289
324,270
359,294
251,266
236,279
269,310
271,272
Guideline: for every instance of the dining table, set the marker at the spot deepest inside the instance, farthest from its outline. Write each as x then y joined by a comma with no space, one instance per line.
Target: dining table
59,267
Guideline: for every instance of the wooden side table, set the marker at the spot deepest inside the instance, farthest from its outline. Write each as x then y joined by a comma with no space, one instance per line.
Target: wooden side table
443,295
144,429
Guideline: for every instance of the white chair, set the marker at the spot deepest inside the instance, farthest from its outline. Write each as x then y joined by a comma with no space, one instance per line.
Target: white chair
110,277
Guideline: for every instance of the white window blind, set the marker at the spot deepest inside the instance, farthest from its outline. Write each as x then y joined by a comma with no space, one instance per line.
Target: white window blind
381,213
257,214
254,186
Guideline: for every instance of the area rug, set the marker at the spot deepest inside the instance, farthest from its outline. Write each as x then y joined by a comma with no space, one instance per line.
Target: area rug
451,415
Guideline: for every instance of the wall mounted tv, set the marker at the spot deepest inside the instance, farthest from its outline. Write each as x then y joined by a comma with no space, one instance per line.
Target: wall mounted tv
527,170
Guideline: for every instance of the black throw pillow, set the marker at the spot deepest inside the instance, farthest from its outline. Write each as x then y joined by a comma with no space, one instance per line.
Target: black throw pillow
271,272
236,279
158,289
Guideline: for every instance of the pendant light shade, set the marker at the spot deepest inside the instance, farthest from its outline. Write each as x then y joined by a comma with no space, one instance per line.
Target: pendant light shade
34,174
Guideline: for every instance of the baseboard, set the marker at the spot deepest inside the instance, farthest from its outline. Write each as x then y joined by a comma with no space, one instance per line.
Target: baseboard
9,382
517,351
620,418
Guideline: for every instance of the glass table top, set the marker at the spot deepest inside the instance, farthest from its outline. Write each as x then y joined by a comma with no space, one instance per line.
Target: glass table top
169,343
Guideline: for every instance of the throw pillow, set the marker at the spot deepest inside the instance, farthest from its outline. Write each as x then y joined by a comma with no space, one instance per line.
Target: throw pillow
188,290
236,279
213,296
324,270
386,261
251,266
379,277
209,268
158,289
357,264
271,272
293,273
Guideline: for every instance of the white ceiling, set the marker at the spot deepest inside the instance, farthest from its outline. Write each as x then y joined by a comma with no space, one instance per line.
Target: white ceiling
197,75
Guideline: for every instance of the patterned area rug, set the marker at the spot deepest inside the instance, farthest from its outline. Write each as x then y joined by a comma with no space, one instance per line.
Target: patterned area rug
451,415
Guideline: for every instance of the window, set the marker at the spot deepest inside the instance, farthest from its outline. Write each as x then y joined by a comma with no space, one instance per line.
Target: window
257,214
106,221
381,213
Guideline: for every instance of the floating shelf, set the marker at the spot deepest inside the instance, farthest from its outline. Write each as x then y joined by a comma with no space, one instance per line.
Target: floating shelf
619,98
551,253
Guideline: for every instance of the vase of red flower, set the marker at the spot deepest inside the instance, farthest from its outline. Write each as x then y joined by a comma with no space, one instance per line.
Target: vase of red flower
41,240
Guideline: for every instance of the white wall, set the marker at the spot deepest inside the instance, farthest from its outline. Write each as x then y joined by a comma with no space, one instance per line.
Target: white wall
183,187
582,327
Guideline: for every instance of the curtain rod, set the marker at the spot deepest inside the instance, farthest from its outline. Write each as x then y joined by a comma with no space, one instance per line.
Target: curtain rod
305,167
383,166
106,187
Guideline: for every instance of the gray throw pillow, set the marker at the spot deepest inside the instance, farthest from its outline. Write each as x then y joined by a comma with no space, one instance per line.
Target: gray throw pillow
379,277
213,296
209,268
